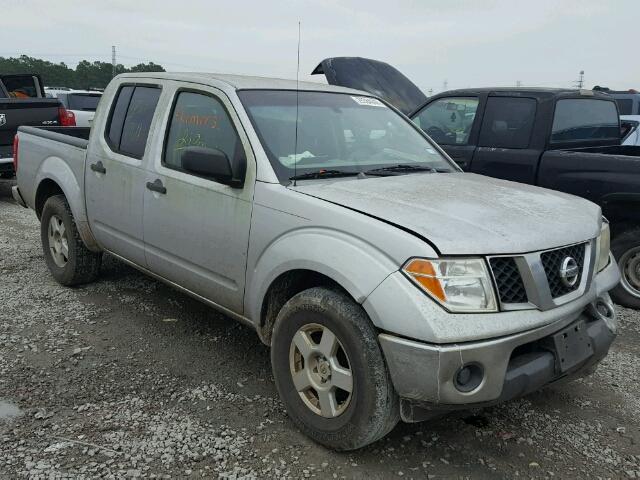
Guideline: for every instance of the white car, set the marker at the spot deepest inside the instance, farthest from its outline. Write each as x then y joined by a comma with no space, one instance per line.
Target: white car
631,129
78,106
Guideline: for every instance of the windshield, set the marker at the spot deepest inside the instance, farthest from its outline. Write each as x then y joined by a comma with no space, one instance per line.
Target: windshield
336,132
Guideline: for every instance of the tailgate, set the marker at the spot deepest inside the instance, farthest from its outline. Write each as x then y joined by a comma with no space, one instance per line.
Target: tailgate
17,112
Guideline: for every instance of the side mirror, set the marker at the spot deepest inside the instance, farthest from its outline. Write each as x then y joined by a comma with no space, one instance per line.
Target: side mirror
210,163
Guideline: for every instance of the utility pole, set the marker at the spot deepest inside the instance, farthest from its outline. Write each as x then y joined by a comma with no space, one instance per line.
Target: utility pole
113,61
445,84
580,80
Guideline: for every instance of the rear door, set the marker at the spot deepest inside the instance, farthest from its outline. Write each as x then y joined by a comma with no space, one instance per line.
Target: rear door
451,123
115,176
505,148
196,230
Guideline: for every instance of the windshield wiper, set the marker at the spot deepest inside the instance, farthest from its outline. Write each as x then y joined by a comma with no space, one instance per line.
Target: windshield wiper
323,173
400,168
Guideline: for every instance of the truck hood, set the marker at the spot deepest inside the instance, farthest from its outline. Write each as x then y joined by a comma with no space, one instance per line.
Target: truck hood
467,214
375,77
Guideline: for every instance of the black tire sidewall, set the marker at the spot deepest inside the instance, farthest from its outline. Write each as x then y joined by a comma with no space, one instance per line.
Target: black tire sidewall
358,338
57,205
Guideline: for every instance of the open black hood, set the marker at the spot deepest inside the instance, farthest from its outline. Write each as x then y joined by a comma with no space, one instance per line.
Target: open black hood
375,77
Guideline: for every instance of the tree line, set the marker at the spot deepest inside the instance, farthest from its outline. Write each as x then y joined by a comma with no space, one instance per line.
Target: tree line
86,74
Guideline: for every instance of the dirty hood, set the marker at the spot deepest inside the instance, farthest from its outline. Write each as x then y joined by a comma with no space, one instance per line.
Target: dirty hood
375,77
467,214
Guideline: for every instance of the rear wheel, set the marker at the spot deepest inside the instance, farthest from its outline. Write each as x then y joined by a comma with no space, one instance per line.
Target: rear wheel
626,249
68,259
330,372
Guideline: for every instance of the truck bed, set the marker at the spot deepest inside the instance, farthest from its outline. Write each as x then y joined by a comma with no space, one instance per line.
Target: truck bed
54,152
607,175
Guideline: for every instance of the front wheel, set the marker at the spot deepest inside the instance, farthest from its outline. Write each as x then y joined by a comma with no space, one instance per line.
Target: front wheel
626,249
330,372
68,259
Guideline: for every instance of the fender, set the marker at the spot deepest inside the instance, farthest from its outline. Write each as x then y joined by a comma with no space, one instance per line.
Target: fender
353,263
56,169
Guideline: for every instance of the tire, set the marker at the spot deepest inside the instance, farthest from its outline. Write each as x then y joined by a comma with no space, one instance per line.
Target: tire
626,249
371,410
78,265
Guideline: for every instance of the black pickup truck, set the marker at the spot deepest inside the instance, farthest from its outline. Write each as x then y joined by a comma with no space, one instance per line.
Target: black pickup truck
22,102
567,140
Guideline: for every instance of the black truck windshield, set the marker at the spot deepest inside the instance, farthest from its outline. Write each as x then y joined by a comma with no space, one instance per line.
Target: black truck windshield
582,119
338,132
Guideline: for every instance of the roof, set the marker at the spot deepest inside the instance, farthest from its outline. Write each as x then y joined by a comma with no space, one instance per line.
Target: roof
243,82
539,91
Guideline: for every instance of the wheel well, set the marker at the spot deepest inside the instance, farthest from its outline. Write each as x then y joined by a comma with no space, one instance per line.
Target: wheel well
47,188
283,288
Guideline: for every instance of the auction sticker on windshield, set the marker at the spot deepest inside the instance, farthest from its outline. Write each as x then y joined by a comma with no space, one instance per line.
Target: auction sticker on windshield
368,101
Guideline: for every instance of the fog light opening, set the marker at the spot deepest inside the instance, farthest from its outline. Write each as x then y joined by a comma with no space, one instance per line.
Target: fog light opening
604,309
468,377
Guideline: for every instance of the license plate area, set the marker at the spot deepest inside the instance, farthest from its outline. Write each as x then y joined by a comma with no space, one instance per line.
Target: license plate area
573,346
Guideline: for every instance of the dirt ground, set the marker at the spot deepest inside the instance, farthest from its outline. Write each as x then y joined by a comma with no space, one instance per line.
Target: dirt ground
127,378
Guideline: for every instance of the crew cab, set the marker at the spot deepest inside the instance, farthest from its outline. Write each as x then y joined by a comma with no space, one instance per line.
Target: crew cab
562,139
22,102
388,283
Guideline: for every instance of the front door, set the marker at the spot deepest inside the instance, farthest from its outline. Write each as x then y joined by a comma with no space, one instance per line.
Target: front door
197,230
449,122
115,179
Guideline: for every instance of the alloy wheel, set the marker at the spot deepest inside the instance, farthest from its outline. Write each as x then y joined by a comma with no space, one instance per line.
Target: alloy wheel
321,370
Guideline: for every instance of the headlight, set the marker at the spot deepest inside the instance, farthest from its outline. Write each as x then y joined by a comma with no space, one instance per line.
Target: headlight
604,245
458,284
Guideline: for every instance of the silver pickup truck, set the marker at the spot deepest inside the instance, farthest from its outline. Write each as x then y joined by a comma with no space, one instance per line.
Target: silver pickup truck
388,283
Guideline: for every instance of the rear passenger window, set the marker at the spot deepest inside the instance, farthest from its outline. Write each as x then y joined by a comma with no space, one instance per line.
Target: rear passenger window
199,120
507,122
131,119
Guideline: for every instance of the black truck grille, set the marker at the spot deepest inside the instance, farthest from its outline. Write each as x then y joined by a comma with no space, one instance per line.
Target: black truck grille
552,263
508,280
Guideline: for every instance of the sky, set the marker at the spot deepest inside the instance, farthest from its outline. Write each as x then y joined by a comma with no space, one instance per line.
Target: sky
436,43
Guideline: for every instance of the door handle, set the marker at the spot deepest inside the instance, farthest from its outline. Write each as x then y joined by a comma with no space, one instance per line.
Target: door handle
98,167
156,186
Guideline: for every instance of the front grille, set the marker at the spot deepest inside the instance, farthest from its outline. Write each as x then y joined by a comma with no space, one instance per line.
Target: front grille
552,263
508,280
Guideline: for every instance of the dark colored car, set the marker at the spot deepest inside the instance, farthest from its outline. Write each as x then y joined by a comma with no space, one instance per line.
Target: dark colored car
22,102
566,140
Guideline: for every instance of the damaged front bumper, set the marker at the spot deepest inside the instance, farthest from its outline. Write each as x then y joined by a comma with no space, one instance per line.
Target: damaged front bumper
435,378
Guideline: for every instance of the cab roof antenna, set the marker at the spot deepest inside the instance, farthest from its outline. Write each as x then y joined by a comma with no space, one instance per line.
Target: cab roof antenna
295,145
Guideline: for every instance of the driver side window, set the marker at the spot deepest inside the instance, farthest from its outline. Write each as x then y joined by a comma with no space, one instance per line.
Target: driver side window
448,121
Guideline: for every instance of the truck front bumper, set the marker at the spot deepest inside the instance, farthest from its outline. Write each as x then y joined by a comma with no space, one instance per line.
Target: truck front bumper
427,376
430,379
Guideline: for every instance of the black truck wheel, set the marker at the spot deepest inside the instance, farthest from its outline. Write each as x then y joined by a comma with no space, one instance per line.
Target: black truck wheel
330,371
626,249
68,259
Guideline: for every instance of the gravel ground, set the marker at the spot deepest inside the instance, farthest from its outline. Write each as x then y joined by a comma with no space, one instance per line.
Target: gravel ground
126,378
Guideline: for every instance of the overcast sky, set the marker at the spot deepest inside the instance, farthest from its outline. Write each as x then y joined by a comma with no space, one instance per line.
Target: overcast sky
466,43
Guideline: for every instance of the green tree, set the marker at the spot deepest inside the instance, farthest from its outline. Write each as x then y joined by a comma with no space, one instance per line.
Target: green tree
86,74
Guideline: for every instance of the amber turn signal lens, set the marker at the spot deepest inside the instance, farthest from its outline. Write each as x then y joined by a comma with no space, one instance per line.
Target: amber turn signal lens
423,272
